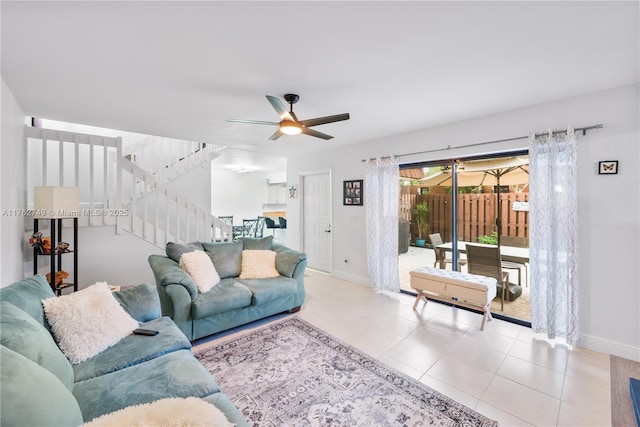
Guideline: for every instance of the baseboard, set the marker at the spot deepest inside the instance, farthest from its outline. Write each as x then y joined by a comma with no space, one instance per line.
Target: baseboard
350,277
609,347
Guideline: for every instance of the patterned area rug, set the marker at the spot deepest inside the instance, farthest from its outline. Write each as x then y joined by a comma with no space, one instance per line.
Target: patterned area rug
291,373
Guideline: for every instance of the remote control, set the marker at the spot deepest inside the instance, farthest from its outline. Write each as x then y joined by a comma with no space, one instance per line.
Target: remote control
149,332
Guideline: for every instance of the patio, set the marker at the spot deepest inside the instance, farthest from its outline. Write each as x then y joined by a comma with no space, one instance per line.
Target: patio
420,257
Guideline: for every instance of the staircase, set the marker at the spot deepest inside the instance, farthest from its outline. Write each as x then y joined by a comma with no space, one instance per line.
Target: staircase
117,189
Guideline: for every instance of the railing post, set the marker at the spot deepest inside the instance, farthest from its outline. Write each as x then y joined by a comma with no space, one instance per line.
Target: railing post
118,204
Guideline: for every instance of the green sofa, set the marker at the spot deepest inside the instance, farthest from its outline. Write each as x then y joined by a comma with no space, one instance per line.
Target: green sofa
40,387
233,301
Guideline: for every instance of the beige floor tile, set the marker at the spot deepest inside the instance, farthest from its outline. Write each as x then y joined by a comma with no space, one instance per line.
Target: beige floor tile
573,416
461,375
522,402
531,375
450,391
477,355
503,418
589,366
489,339
588,396
541,353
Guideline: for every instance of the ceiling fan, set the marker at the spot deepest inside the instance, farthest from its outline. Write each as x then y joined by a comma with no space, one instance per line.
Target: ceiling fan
289,123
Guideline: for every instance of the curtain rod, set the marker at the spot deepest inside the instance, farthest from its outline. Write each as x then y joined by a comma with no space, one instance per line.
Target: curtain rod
448,147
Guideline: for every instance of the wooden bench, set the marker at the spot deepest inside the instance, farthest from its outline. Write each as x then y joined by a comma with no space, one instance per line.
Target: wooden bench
462,289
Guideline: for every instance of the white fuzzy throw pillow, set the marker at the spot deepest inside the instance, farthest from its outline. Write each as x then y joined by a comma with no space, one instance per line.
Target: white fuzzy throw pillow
170,412
87,322
258,264
200,267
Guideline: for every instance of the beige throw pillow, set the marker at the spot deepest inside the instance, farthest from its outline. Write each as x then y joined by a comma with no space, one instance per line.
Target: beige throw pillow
87,322
200,267
258,264
171,411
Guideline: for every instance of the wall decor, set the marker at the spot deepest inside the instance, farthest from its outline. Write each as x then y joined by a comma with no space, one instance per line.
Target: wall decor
293,192
352,192
608,167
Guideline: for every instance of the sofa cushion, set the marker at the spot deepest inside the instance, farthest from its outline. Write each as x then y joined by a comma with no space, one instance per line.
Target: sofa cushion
176,374
87,322
227,295
258,264
134,349
32,396
265,243
190,411
27,294
266,290
175,250
24,335
226,257
200,267
141,302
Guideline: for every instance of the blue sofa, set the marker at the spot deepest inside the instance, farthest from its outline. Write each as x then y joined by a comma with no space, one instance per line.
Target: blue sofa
233,301
40,387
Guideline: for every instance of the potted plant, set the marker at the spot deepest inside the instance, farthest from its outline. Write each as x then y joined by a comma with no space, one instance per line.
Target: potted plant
420,217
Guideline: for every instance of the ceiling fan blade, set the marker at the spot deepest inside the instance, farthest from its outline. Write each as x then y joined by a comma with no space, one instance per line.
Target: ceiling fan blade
324,120
254,122
315,133
279,107
276,135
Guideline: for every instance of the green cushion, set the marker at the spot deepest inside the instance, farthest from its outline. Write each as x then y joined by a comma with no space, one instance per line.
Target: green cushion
141,302
226,257
270,289
24,335
175,250
27,295
225,296
287,259
176,374
265,244
32,396
134,349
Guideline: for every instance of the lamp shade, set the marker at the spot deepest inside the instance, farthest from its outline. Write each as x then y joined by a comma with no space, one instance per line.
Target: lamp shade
56,202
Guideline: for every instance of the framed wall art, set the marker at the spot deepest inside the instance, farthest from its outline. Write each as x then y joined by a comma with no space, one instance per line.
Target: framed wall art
352,192
607,167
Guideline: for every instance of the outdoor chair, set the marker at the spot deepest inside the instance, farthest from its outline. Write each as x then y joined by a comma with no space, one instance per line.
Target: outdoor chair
486,261
441,255
518,242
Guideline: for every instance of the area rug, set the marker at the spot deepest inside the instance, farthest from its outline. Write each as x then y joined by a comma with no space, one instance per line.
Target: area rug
290,373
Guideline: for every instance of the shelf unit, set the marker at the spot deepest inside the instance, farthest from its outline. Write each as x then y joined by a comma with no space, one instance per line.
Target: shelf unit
55,226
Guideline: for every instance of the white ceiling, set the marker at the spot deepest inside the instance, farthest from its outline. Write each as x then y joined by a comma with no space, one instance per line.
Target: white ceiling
180,69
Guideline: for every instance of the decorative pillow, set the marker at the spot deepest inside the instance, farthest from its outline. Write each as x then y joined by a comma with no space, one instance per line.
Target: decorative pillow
87,322
201,269
250,243
226,257
175,250
172,411
258,264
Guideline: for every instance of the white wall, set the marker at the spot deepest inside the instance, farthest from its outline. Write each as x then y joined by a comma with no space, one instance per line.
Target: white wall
609,223
239,194
12,234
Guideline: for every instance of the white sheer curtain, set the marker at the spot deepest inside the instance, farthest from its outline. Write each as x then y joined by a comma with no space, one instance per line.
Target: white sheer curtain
553,235
381,193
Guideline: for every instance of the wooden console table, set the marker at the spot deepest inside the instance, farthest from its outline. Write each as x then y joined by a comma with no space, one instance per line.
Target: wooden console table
622,369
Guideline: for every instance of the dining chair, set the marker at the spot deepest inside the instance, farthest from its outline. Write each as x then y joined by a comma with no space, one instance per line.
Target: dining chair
283,222
486,261
249,227
518,242
226,219
441,255
260,227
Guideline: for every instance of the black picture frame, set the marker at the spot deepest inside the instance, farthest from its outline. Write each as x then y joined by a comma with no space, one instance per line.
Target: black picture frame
608,167
352,192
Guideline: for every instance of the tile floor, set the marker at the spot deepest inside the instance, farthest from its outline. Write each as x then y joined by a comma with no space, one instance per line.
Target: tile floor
505,372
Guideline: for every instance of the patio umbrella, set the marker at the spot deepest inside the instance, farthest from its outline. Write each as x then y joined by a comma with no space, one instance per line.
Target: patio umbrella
492,172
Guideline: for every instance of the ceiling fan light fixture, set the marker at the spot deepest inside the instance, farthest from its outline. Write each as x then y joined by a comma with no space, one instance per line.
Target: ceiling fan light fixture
290,128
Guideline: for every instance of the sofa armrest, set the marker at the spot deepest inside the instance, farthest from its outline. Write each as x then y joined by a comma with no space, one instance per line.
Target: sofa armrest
141,302
168,272
287,259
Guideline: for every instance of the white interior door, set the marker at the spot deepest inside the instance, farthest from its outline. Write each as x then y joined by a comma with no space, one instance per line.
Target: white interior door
317,220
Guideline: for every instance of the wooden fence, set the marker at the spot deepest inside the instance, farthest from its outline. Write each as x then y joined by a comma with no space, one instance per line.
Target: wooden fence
477,214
